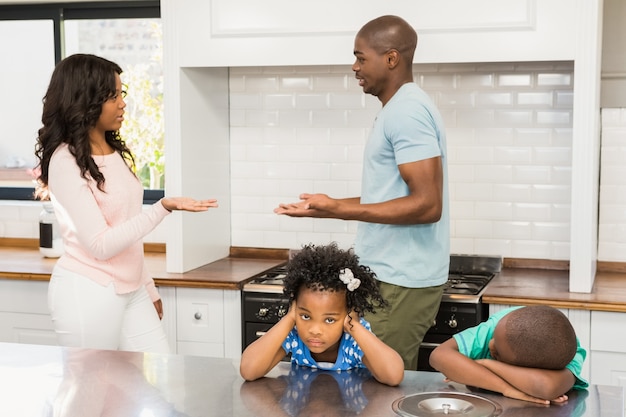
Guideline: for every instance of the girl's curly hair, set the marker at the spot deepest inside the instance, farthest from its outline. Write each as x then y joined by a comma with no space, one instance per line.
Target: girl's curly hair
318,267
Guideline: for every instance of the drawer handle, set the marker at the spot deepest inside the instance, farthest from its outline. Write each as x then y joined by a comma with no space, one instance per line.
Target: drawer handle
197,316
259,334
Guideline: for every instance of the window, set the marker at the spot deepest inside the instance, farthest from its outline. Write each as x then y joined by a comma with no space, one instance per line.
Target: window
128,33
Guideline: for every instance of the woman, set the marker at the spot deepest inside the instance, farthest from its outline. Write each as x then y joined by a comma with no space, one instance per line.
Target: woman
100,293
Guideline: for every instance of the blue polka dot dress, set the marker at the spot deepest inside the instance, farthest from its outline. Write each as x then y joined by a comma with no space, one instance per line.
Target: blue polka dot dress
350,354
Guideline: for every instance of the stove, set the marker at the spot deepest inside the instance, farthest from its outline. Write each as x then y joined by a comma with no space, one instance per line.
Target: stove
461,307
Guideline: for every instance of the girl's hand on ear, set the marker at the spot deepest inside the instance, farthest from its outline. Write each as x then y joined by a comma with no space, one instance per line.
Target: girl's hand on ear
292,311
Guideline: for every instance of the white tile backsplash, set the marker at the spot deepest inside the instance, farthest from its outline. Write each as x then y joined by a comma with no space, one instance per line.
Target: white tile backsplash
509,144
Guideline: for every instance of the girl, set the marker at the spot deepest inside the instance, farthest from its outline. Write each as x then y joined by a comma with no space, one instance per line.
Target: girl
329,292
101,294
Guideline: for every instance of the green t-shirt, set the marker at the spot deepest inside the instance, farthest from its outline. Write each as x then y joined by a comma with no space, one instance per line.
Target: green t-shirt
474,343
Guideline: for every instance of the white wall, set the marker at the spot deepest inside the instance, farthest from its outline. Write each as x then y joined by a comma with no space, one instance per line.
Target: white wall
612,222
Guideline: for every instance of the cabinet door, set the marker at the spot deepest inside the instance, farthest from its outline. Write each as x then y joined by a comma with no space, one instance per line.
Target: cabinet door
226,33
24,316
200,315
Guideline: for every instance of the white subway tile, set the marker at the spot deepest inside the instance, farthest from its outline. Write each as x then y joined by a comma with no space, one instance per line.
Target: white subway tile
296,83
294,118
532,174
475,118
536,98
513,155
258,118
514,80
552,231
554,117
280,101
557,156
494,99
530,249
521,193
493,174
493,210
332,82
514,230
311,101
469,81
493,247
532,211
245,101
329,118
261,83
474,228
554,79
513,117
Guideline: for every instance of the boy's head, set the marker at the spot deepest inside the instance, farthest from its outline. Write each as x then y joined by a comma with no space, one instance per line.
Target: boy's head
534,337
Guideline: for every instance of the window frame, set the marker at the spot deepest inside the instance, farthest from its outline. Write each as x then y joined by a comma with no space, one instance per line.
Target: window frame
58,12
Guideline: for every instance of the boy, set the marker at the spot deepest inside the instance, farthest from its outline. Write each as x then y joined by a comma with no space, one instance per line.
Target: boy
528,353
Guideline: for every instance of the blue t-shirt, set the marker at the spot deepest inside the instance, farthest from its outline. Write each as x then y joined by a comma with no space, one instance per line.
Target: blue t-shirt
474,343
407,129
350,354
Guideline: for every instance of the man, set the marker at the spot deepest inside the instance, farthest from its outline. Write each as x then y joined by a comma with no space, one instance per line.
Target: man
404,233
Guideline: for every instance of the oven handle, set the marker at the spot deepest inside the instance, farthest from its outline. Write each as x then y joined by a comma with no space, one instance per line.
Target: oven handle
430,345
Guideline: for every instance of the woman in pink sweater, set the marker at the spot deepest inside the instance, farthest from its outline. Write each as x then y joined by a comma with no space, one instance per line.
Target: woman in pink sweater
101,294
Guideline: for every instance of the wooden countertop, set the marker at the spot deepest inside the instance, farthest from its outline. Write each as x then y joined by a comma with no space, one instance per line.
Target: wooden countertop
519,283
528,286
26,263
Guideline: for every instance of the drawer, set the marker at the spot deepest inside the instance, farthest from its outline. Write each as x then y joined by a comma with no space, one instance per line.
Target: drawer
24,296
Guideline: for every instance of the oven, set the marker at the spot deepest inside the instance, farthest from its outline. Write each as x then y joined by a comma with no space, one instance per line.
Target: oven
263,302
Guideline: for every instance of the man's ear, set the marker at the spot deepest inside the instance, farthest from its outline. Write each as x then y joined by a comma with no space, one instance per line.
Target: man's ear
392,58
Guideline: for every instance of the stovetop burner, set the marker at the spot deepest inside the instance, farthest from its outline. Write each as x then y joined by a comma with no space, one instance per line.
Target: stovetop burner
469,275
466,284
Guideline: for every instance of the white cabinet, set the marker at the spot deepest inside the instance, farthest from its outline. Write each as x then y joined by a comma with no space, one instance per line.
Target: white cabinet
226,33
608,348
201,322
208,322
24,316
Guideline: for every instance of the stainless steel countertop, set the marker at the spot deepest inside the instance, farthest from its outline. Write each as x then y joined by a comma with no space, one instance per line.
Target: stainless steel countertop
46,380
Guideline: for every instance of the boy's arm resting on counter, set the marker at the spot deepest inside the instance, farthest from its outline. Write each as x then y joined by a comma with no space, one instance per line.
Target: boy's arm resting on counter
540,383
457,367
264,353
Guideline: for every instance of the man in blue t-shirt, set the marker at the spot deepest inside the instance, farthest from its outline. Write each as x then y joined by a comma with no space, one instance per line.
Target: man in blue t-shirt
403,211
528,353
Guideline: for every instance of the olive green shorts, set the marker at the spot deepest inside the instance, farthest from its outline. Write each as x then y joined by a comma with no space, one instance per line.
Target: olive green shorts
402,325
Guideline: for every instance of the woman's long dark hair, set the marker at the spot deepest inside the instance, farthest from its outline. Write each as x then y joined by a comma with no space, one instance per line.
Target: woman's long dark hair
79,86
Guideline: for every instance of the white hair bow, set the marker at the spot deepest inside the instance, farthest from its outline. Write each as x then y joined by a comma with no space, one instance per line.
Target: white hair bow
347,277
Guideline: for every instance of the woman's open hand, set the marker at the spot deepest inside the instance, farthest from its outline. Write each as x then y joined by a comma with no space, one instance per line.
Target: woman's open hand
187,204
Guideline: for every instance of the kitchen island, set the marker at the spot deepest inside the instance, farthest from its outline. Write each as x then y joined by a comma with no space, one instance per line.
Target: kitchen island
69,382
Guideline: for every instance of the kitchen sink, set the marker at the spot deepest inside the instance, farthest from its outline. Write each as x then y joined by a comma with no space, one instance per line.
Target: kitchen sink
431,404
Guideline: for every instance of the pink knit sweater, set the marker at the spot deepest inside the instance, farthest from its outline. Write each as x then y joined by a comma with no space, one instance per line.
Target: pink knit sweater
103,231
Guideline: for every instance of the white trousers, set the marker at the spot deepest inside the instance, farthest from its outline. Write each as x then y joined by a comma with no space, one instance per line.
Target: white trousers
89,315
